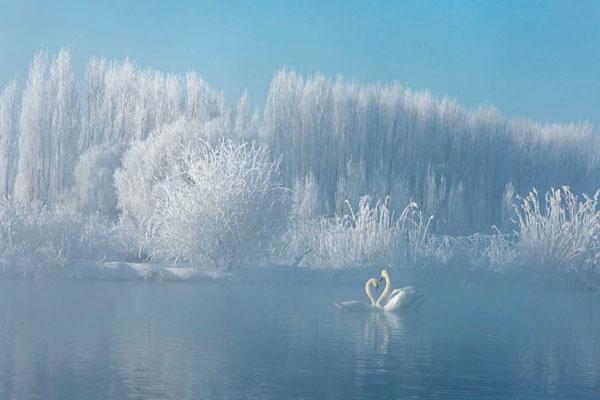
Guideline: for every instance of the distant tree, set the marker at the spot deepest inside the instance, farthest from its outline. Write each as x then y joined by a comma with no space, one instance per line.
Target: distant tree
427,149
207,205
94,189
49,126
9,123
31,184
64,127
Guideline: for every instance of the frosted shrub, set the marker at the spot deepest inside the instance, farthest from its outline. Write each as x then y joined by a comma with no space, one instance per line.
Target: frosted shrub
561,235
369,235
50,242
94,190
211,206
495,252
146,163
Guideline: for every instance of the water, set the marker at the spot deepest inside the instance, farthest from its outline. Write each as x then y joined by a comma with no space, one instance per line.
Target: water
279,337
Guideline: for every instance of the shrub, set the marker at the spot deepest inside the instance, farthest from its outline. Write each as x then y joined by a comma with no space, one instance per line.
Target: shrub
373,235
562,235
94,189
48,242
214,207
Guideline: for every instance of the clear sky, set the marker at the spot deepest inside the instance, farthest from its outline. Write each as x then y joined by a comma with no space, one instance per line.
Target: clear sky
537,59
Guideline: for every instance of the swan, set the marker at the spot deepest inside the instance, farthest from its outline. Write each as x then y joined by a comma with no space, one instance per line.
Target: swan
397,299
355,305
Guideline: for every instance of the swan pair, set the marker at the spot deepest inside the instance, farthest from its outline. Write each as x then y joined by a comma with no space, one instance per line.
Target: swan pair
390,299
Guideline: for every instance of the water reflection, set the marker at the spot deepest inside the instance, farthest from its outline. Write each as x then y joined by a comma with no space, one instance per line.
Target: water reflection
61,340
379,328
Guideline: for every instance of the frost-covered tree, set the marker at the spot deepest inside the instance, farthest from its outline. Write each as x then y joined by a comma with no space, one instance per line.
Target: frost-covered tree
221,207
305,200
354,140
508,204
428,150
206,205
242,116
126,104
64,126
9,122
94,189
31,184
147,162
49,125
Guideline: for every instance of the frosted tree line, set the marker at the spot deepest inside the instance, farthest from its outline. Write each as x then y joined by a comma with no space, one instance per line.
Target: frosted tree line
55,134
384,140
61,136
120,143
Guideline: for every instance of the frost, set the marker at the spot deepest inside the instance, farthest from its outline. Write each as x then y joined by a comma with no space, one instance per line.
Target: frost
214,206
562,233
129,164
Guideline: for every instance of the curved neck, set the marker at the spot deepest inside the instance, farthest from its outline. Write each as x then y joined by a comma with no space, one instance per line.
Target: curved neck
368,287
386,291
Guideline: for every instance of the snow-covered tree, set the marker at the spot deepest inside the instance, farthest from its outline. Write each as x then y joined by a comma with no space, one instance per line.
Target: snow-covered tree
206,205
49,125
354,140
9,122
305,200
31,185
94,189
147,162
64,126
434,150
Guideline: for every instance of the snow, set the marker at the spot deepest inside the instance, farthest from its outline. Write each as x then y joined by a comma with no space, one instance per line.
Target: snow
130,173
114,270
131,271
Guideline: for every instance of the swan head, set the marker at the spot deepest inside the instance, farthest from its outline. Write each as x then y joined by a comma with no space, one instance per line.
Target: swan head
373,283
384,275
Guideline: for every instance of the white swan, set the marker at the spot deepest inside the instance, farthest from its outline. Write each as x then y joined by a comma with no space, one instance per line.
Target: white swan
397,299
355,305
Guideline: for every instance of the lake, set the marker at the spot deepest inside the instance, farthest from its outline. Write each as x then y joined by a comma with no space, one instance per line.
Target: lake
276,335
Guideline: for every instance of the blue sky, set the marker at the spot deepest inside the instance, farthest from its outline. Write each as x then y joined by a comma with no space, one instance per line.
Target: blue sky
529,58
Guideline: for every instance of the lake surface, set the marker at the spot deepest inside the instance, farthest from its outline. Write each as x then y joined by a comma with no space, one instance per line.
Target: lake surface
278,336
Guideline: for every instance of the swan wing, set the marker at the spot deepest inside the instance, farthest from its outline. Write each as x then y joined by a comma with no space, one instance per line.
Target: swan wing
401,299
408,289
395,301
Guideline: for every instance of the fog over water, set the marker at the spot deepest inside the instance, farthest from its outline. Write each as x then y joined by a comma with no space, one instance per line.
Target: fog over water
276,335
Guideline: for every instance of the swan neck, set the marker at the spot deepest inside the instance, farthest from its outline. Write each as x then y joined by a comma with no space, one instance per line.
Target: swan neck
368,286
386,291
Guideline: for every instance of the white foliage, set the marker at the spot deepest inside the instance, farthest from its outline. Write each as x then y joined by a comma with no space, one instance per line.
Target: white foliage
445,156
9,123
48,242
147,162
562,234
305,201
149,150
49,126
210,206
30,182
371,235
94,189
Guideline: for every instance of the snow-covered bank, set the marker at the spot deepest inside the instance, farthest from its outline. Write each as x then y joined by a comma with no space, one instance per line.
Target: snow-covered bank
130,174
64,136
114,270
555,240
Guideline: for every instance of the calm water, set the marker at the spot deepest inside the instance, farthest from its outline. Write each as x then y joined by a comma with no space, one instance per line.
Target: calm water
282,339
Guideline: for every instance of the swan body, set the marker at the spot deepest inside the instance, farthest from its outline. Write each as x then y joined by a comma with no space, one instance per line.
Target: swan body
397,299
355,305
